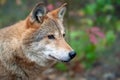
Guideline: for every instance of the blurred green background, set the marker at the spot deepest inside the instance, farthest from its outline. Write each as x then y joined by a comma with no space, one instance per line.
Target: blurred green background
92,26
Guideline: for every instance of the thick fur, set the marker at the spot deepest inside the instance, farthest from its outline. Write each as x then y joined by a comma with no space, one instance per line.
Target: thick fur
25,50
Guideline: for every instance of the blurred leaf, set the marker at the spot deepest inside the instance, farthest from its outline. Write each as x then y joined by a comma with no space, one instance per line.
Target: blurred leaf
87,21
117,24
109,8
108,18
90,9
61,66
110,37
89,48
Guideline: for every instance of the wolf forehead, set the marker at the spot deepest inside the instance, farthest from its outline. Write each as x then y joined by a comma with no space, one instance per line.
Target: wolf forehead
51,26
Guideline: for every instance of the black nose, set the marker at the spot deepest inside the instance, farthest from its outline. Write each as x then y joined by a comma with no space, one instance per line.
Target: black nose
72,54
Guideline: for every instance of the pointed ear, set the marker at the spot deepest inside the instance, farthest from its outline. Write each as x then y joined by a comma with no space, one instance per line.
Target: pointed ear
59,12
62,11
38,13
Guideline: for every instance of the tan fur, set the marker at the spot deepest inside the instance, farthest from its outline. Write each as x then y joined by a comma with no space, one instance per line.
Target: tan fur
12,59
21,57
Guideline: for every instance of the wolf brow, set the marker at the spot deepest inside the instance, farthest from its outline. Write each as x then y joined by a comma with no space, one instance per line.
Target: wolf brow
57,26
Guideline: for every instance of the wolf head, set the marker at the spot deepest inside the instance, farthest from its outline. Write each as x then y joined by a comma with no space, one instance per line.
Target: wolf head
43,39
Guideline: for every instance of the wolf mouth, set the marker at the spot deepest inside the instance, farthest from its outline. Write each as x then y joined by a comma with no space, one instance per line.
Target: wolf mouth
53,57
59,59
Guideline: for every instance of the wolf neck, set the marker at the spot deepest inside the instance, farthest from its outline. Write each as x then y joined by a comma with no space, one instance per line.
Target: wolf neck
22,65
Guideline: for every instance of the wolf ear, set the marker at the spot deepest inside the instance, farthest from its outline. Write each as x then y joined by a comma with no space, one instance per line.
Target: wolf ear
61,11
38,13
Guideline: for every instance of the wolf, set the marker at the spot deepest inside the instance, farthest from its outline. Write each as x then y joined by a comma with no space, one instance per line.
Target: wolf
30,46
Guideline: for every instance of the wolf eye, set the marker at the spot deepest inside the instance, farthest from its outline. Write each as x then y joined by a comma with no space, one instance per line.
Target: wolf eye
63,35
51,37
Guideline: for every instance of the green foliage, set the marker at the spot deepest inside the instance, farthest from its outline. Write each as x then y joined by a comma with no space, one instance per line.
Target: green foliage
117,24
110,37
90,9
99,6
80,42
103,13
61,66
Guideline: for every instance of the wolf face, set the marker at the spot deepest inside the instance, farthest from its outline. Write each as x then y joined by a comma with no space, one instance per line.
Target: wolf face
43,39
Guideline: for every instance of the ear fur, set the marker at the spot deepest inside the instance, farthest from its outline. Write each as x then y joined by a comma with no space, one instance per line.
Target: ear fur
62,11
59,12
38,13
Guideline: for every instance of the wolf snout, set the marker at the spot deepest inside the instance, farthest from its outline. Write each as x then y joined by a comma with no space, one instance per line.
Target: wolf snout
72,54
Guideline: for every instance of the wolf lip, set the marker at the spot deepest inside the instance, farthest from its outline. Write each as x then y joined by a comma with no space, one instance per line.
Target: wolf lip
53,57
59,59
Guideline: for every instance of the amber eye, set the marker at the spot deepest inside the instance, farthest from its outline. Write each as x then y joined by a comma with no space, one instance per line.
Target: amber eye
63,35
51,37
